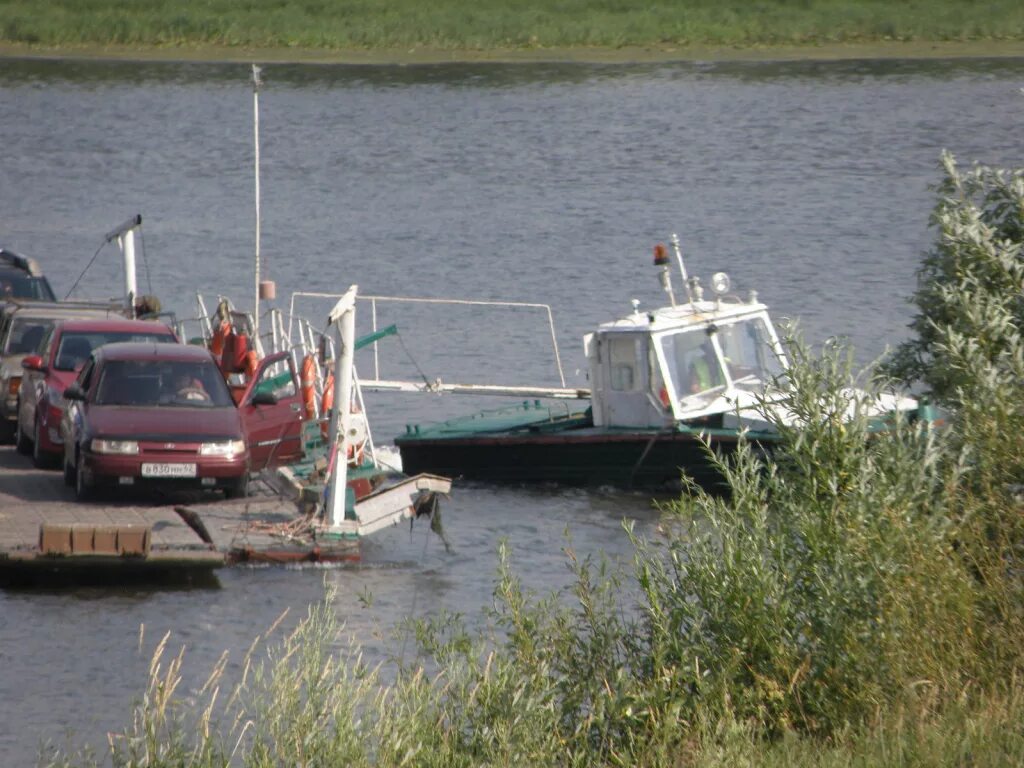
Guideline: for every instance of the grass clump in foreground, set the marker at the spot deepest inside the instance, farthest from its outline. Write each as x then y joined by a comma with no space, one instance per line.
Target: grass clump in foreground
855,601
485,24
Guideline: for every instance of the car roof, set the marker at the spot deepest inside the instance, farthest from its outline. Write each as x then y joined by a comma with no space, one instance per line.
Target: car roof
97,325
155,352
11,261
56,311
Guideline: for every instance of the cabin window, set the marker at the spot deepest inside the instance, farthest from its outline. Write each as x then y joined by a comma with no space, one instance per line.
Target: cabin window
693,363
749,352
622,362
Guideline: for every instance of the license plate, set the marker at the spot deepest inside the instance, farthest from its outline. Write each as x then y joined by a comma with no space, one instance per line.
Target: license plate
168,470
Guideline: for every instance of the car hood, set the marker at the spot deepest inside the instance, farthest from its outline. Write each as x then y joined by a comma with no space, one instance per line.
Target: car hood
60,380
165,423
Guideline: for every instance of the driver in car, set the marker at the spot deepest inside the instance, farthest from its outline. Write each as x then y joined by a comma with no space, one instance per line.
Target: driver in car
189,389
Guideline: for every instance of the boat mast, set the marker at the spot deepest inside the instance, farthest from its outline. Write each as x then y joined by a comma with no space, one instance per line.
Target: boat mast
256,83
682,267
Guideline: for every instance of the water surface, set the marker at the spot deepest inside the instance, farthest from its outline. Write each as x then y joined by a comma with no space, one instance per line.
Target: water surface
808,182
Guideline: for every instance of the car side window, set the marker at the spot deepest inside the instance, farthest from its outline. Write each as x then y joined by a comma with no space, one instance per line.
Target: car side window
47,345
278,380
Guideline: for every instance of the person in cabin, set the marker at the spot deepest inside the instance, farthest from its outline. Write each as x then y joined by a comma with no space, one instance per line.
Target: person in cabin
703,370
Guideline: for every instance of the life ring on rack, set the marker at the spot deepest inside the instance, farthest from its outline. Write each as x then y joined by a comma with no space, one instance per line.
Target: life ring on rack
308,391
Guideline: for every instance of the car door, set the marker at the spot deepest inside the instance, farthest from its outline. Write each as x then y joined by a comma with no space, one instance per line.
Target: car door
271,412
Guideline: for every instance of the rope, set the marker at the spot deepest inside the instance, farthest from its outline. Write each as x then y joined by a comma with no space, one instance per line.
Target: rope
93,259
415,591
413,361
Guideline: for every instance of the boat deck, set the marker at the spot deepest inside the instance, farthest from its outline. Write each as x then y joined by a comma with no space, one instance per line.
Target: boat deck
45,530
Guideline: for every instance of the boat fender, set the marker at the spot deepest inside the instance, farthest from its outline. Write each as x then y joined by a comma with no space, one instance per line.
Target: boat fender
308,391
326,403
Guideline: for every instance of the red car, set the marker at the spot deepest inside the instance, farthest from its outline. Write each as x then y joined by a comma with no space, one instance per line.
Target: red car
61,356
162,415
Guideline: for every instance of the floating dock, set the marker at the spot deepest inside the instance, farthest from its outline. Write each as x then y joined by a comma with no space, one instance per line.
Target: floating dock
45,533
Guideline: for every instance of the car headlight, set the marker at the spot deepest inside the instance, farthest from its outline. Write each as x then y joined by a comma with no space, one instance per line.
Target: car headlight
122,447
226,448
13,385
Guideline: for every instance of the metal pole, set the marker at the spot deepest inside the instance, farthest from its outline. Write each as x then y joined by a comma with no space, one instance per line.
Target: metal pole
343,318
256,83
127,243
682,267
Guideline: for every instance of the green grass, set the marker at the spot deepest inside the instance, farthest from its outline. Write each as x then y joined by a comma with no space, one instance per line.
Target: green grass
486,24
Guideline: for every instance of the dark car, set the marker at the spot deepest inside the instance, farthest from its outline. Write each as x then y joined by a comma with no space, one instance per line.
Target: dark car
162,415
21,278
60,357
23,328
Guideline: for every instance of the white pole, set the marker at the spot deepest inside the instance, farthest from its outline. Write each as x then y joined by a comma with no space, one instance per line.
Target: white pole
343,318
127,243
256,83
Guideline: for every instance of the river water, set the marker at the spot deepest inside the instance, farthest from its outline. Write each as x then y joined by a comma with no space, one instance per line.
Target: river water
809,182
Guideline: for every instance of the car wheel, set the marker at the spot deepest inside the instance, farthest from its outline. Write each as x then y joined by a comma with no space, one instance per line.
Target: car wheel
40,458
83,490
239,489
6,431
21,441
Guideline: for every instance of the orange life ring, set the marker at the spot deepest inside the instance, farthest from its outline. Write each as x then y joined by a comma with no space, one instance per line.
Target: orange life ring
308,392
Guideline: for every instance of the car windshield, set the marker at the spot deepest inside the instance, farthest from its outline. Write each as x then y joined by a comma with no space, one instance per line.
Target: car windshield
76,347
26,335
25,287
148,383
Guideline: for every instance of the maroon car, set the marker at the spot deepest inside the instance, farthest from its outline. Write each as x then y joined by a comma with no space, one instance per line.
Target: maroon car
61,356
162,415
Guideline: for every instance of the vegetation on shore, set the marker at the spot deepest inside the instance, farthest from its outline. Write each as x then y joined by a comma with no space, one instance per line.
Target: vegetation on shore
459,25
856,600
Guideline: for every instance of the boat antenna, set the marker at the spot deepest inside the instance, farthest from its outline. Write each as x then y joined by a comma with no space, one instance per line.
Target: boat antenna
256,83
682,267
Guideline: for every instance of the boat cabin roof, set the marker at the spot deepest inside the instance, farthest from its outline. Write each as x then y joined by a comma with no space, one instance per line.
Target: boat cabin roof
682,316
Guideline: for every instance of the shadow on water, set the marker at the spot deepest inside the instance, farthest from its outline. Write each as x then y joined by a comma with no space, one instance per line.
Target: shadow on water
490,75
91,581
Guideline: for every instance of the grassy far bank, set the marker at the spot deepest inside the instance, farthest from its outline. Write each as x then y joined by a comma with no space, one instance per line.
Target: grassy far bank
511,29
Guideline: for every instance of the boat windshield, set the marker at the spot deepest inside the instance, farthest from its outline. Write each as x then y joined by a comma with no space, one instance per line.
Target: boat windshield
750,355
701,361
693,366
